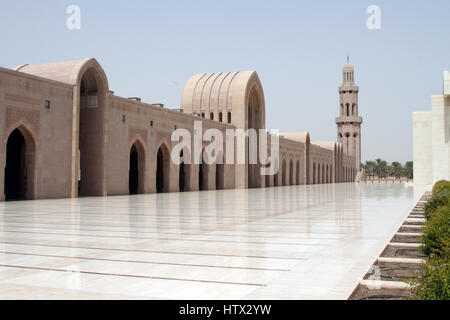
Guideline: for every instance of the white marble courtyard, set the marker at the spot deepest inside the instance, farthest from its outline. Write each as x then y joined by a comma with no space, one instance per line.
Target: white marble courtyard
300,242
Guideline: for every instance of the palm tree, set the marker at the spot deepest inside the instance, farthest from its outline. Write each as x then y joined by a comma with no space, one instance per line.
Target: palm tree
378,167
382,168
389,170
408,170
397,169
370,168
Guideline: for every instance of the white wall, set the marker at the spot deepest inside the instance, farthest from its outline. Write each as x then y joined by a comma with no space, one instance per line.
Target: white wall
431,135
422,155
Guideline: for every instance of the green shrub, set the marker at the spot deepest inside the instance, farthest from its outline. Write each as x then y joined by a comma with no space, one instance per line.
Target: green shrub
440,198
433,282
442,186
436,236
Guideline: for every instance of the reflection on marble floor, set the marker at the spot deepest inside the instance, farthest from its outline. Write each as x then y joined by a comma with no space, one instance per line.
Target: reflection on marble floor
300,242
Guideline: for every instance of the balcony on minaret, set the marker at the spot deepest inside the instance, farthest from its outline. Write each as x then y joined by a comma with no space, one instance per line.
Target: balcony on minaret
349,119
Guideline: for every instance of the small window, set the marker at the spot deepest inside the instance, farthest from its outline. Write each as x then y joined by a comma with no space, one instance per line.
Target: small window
151,123
123,118
211,116
47,104
229,117
220,116
203,114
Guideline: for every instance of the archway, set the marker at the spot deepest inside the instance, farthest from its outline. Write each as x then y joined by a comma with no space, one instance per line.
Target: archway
91,133
314,173
318,174
297,172
284,173
133,175
182,174
200,177
203,173
162,169
291,173
267,178
220,179
20,165
277,175
254,122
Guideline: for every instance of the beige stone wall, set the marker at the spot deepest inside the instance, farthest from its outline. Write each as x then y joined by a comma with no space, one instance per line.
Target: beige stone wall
321,164
292,164
22,105
348,168
74,139
152,127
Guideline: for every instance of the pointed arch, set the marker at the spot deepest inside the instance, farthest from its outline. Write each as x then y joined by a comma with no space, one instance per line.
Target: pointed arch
314,173
163,168
220,171
204,171
267,180
318,174
92,86
20,166
276,177
291,173
136,169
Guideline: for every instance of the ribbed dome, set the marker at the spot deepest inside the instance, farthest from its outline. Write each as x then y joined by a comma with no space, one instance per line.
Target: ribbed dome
215,90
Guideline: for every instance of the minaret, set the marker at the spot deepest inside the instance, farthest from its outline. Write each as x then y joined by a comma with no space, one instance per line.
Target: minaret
348,122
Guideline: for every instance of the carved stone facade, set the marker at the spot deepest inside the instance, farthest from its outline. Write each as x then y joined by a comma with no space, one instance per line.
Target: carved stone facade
82,140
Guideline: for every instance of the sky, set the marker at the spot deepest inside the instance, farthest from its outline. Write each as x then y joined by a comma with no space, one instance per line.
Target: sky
149,49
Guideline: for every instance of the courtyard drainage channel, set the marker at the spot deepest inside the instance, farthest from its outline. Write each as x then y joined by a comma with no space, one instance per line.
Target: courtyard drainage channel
401,260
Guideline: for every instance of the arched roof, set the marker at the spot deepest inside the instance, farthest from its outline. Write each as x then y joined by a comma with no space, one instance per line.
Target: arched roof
69,72
302,137
223,90
330,145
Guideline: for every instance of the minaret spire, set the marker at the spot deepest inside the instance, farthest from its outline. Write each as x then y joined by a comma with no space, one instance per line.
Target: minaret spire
349,122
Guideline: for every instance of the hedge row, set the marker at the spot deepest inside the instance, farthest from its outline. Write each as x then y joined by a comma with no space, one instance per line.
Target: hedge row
433,282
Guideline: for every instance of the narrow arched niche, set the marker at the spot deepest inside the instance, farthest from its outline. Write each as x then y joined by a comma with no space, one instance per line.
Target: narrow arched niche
91,144
20,165
162,169
136,174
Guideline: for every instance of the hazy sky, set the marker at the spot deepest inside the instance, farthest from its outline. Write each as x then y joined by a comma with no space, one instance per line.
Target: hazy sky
150,49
